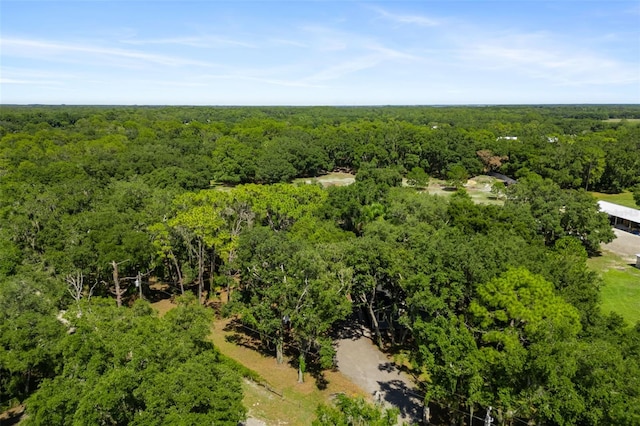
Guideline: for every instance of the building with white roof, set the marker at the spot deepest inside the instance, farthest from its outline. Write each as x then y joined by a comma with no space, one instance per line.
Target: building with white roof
622,217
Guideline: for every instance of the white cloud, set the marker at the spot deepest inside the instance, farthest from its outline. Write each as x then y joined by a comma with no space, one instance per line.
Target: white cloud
348,67
192,41
286,42
39,49
267,80
33,82
414,19
541,56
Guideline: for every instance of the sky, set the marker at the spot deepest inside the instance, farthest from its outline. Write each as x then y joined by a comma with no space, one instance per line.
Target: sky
429,52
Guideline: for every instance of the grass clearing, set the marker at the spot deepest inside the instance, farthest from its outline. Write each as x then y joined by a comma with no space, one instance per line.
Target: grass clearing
299,400
621,290
330,179
618,120
623,198
289,402
478,188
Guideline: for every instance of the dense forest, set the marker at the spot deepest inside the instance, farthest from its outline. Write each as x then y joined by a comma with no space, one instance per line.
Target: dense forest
493,305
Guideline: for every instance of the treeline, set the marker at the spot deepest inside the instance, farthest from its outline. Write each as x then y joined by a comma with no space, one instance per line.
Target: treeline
575,146
491,305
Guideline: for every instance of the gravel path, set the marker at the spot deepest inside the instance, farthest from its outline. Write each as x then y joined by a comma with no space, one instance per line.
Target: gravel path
362,362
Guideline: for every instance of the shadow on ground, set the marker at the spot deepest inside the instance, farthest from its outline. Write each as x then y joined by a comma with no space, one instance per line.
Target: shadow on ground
398,394
351,328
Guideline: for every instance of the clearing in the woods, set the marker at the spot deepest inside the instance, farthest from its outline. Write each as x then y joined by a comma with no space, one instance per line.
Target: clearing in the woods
280,399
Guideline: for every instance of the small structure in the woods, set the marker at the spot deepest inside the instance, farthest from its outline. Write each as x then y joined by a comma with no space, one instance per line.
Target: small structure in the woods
506,179
622,217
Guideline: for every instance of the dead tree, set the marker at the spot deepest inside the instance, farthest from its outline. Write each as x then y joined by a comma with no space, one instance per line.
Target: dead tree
75,287
118,290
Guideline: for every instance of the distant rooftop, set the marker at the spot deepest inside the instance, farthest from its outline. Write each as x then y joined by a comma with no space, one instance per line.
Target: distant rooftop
620,211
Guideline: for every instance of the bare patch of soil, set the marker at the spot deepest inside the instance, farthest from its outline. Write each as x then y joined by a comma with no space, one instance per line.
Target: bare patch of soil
12,416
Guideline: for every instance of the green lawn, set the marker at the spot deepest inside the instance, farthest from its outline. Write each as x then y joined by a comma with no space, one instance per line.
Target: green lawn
624,198
621,290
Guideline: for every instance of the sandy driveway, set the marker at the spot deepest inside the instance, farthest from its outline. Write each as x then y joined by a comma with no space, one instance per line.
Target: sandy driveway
361,361
626,245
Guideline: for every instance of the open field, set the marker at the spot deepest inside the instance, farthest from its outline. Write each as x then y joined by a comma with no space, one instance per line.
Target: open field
621,290
618,120
479,187
330,179
624,198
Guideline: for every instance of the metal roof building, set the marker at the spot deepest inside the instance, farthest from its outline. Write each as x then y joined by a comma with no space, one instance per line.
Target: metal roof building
622,217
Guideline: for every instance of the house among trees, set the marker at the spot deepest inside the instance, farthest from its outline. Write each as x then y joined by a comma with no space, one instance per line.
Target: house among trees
622,217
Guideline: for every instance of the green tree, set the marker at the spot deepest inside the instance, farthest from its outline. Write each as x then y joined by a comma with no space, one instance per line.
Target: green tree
526,333
29,332
498,189
200,229
559,213
354,412
128,366
291,289
457,176
418,178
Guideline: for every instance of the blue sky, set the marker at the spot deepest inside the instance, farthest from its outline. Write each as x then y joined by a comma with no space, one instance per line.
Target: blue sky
319,52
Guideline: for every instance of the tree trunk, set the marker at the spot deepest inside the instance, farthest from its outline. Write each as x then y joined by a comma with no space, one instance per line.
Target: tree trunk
392,329
212,267
229,274
27,387
374,322
167,265
116,282
179,272
139,281
301,367
200,270
279,351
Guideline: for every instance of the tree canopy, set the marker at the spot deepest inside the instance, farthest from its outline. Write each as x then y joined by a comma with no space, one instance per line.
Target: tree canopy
491,305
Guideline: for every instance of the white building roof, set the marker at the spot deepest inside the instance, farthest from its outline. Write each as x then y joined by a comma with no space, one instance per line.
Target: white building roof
620,211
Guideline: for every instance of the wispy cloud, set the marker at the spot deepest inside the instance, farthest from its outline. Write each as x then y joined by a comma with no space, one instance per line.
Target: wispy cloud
389,54
413,19
267,80
348,67
4,80
192,41
285,42
326,39
55,51
539,55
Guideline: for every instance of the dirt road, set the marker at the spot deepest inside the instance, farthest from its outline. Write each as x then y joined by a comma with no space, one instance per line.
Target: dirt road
625,245
361,361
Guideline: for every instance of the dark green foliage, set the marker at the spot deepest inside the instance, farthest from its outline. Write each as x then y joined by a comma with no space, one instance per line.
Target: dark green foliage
81,187
289,278
457,176
354,412
29,332
558,213
418,178
126,366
